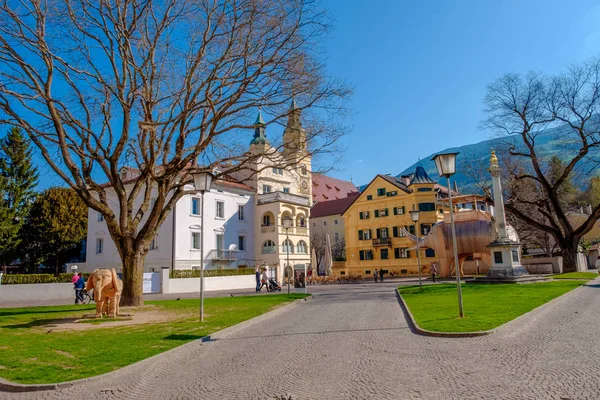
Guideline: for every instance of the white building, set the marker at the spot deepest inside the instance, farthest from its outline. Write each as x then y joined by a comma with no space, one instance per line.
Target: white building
243,219
228,233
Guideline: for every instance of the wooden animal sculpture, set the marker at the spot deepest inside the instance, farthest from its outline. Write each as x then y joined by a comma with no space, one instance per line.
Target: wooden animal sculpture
107,291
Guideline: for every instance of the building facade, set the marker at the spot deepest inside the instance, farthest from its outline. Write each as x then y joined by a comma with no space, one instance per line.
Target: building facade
377,225
243,216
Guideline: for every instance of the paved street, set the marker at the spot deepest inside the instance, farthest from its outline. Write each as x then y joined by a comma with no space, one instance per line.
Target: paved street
352,342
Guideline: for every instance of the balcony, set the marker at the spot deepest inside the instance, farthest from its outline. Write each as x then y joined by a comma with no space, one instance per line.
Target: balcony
269,250
268,229
294,230
382,242
222,255
282,197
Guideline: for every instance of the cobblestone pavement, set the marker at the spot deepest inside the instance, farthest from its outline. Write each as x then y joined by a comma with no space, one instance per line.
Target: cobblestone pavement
353,342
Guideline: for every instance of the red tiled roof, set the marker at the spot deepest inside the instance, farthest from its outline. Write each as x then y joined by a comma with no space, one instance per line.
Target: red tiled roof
332,207
326,188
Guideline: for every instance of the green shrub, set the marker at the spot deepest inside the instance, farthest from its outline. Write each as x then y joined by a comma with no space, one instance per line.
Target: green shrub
188,273
17,279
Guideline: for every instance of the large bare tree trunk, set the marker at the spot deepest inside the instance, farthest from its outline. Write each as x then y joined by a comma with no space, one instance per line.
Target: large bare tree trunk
569,255
133,278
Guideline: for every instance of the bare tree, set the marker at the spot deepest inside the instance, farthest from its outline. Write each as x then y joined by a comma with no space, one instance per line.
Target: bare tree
318,244
338,248
160,86
528,109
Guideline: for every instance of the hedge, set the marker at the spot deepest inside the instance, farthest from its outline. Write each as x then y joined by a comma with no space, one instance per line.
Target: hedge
18,279
188,273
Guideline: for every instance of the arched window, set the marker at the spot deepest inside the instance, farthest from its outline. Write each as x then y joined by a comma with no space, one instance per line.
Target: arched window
288,246
301,221
302,249
268,247
268,219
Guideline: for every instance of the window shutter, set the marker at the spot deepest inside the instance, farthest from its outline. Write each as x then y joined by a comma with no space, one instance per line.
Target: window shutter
360,215
386,232
360,235
395,210
378,234
376,213
403,210
407,254
386,212
395,230
370,236
361,254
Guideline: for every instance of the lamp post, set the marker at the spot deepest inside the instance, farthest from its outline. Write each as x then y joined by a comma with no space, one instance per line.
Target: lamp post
414,215
202,182
287,224
446,166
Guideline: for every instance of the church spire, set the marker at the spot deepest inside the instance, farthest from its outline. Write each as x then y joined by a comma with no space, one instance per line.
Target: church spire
260,136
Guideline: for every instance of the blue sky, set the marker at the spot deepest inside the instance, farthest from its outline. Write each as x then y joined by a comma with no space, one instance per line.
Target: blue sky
420,68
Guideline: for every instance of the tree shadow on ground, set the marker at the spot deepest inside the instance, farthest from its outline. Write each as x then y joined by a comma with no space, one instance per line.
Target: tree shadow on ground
20,311
183,337
49,322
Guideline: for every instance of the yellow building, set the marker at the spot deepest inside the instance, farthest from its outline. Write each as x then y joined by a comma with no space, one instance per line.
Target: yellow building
378,222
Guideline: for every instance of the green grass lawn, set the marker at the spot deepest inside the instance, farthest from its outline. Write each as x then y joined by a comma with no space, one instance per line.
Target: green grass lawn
576,275
485,306
29,354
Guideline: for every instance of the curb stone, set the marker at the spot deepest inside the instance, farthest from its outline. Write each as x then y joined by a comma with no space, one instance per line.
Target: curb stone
420,331
11,387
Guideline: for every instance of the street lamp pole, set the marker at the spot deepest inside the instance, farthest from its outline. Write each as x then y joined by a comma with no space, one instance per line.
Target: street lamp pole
446,166
202,183
414,215
287,223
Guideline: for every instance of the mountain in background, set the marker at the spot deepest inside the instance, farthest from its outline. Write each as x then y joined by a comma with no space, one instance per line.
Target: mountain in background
476,156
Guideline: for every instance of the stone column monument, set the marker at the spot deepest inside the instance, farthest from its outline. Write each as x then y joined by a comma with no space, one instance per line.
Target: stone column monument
506,253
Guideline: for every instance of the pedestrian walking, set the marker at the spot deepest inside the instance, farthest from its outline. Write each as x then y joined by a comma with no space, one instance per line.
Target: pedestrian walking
264,280
433,271
381,275
375,275
257,274
79,285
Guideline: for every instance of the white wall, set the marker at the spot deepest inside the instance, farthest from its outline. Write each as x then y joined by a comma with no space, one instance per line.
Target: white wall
36,292
189,285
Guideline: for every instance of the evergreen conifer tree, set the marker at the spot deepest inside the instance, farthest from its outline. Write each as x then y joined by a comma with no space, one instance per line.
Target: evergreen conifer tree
18,179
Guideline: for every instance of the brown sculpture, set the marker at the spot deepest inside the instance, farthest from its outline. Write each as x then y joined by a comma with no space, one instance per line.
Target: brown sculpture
474,231
107,291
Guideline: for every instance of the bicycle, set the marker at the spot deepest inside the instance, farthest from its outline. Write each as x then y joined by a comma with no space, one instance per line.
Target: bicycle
88,296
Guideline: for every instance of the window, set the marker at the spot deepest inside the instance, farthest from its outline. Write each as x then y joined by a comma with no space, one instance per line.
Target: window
364,234
382,233
399,210
369,197
424,190
401,252
381,192
398,232
324,223
314,224
241,212
515,256
498,257
195,206
337,236
196,241
384,254
391,194
367,272
410,229
266,189
99,246
426,206
429,253
286,190
303,169
301,221
381,213
301,247
278,171
268,247
267,220
241,243
288,246
366,254
335,221
425,228
154,243
100,217
363,215
220,210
